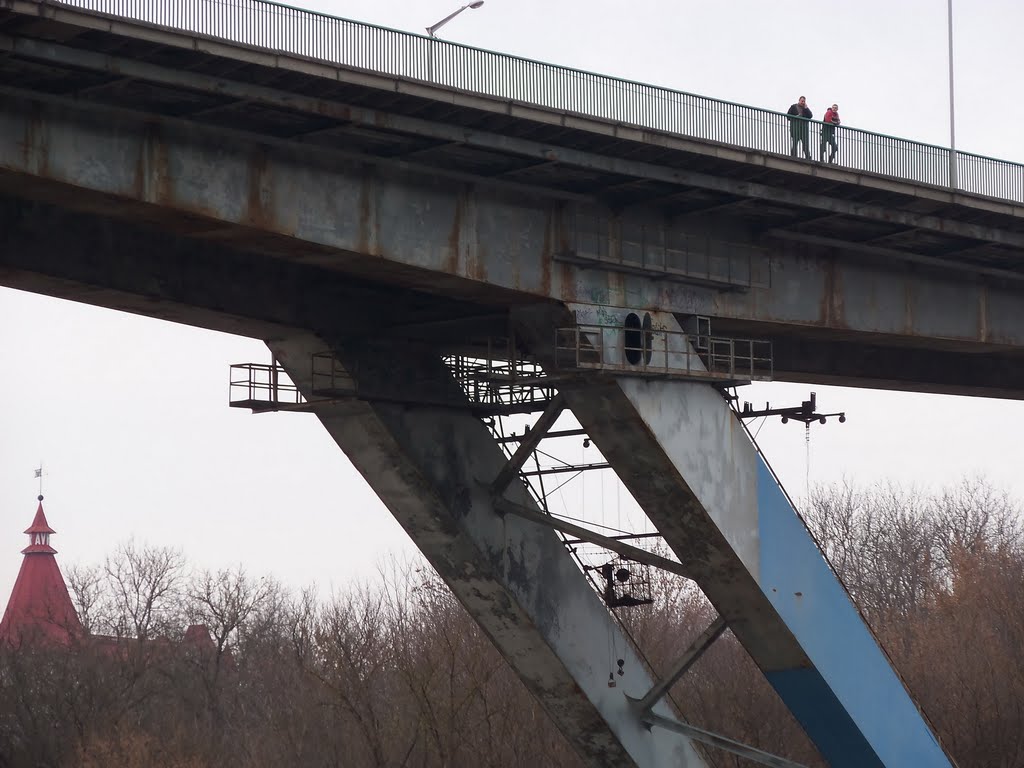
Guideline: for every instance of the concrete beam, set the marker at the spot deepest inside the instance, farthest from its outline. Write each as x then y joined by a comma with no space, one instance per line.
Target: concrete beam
447,237
113,263
940,264
116,264
688,462
842,363
433,469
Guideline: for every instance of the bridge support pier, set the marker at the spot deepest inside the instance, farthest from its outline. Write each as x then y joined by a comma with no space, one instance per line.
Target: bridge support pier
434,467
686,458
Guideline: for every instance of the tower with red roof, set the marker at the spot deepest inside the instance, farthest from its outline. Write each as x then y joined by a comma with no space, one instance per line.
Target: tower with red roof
40,609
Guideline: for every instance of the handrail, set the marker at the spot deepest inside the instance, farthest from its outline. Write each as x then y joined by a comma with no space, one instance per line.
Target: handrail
661,352
285,29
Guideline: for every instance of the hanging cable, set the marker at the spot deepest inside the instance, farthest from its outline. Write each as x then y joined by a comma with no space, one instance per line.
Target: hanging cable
630,640
807,461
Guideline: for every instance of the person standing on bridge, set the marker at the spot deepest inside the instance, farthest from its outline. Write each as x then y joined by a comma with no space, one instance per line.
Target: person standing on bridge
828,133
799,125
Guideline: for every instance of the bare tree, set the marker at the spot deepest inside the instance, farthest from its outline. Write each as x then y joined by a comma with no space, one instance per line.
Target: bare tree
146,583
88,587
224,602
398,674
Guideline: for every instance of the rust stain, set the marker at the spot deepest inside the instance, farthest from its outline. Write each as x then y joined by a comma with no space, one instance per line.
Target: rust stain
258,210
553,232
366,223
983,331
833,310
477,257
139,180
451,261
477,264
152,181
908,307
568,291
36,147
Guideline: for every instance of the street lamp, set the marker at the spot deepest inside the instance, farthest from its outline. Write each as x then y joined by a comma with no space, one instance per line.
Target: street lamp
431,30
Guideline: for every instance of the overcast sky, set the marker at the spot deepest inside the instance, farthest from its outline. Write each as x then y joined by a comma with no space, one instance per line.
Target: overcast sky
129,415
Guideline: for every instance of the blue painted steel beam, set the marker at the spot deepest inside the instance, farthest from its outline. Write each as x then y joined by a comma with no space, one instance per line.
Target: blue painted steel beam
851,682
688,461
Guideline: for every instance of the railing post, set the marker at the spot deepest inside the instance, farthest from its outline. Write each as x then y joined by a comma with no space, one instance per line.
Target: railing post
952,115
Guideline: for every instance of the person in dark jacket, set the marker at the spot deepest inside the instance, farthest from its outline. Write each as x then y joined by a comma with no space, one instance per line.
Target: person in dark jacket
799,125
828,133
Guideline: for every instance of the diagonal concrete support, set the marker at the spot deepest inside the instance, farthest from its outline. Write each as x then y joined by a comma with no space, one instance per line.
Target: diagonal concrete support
433,467
687,460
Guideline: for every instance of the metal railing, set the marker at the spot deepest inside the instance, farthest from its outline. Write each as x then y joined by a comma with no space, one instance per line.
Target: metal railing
502,386
284,29
662,353
262,387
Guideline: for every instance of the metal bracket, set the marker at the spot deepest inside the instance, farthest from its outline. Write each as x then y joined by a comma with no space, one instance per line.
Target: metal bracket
529,443
805,412
615,545
687,660
720,742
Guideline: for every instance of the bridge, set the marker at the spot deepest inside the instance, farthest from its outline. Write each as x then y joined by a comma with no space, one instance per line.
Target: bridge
431,237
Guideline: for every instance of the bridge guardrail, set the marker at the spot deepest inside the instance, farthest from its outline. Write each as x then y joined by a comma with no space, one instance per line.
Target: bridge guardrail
286,29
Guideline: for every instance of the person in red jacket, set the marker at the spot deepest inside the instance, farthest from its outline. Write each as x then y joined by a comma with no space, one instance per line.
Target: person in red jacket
828,133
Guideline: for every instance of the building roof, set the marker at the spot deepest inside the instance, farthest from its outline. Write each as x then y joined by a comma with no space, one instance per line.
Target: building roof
39,524
40,607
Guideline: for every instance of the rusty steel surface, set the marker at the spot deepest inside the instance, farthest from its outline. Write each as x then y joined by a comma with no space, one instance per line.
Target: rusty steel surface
402,225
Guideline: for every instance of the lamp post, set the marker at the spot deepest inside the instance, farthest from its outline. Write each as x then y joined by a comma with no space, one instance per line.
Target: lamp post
432,30
952,117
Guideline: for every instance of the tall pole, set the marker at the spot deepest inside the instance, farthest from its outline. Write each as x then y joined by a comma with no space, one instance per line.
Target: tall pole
432,32
432,29
952,114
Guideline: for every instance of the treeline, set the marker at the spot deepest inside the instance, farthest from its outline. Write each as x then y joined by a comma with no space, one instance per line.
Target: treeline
396,674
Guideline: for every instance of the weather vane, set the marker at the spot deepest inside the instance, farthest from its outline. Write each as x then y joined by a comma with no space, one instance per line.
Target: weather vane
39,476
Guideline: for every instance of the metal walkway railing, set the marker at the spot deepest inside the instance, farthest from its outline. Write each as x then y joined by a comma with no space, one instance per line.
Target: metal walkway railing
347,43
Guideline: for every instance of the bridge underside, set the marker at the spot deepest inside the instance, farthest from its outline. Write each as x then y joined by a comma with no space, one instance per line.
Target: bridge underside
144,268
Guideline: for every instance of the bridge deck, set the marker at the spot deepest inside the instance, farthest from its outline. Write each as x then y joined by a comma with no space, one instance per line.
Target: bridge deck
885,199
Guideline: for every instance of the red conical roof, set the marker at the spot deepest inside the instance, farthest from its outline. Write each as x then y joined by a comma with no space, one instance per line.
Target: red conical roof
40,608
39,524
